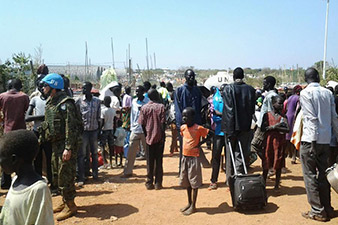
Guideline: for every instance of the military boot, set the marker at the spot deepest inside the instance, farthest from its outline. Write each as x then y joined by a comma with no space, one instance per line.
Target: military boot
59,208
69,210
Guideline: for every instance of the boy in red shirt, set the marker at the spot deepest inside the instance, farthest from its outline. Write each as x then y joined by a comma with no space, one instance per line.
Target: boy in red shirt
191,173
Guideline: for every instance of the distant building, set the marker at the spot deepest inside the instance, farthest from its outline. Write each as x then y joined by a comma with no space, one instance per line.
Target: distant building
92,72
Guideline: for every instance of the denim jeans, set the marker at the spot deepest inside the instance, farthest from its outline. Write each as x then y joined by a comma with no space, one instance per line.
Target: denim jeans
89,141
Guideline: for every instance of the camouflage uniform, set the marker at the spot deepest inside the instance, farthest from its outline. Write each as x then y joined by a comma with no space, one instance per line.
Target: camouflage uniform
59,128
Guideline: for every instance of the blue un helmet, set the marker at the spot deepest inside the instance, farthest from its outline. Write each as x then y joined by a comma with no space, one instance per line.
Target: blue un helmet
54,80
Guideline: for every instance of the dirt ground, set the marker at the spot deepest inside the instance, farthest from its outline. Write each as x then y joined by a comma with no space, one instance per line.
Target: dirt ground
114,200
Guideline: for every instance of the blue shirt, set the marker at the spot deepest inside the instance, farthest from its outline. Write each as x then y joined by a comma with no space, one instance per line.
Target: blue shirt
217,101
134,114
186,96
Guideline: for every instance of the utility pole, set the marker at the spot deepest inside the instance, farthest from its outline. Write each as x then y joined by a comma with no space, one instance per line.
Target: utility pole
89,65
112,52
298,74
86,60
151,62
128,51
155,60
147,54
129,61
130,71
325,40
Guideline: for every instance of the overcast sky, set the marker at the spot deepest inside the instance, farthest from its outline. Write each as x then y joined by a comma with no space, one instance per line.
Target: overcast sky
203,34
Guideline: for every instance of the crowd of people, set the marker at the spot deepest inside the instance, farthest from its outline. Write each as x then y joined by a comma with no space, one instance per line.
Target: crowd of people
81,135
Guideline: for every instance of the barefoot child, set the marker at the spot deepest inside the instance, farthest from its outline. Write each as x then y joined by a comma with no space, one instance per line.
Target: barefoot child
275,125
28,200
120,135
191,173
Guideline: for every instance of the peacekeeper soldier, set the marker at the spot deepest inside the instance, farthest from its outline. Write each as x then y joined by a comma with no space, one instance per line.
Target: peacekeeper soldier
62,127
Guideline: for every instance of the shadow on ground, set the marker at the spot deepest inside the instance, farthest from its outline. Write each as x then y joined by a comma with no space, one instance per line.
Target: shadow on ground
255,169
294,190
176,155
292,177
170,174
116,178
133,179
222,208
96,210
92,193
269,208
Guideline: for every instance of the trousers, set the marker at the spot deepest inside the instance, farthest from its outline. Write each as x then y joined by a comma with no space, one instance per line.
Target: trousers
244,138
314,164
89,141
134,141
45,147
154,156
174,134
219,143
64,175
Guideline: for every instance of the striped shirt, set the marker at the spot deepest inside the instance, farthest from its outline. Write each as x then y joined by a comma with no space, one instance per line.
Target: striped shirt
91,112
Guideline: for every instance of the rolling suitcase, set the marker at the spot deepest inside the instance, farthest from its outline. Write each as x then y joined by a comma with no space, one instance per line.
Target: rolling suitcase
247,190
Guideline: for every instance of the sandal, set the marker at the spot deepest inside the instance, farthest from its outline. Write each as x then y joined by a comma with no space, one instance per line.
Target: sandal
212,186
309,215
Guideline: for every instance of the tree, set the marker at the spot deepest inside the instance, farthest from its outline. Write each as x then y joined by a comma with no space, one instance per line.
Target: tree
38,56
332,74
21,68
6,74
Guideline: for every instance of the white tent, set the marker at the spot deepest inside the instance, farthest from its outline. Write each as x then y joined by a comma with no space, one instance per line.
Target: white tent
217,80
106,91
332,84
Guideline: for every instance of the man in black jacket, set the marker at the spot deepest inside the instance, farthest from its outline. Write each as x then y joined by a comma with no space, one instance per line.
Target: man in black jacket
239,106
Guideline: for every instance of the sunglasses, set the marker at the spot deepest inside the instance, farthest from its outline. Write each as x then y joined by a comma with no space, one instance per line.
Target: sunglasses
45,84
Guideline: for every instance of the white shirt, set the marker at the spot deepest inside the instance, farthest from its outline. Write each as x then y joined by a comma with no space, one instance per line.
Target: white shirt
319,113
120,135
127,100
115,103
108,114
266,106
32,205
39,109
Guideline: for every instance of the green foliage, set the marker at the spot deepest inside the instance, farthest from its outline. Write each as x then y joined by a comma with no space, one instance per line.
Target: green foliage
255,82
332,74
19,67
319,66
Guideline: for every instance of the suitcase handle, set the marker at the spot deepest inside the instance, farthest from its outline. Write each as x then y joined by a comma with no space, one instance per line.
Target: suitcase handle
233,158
